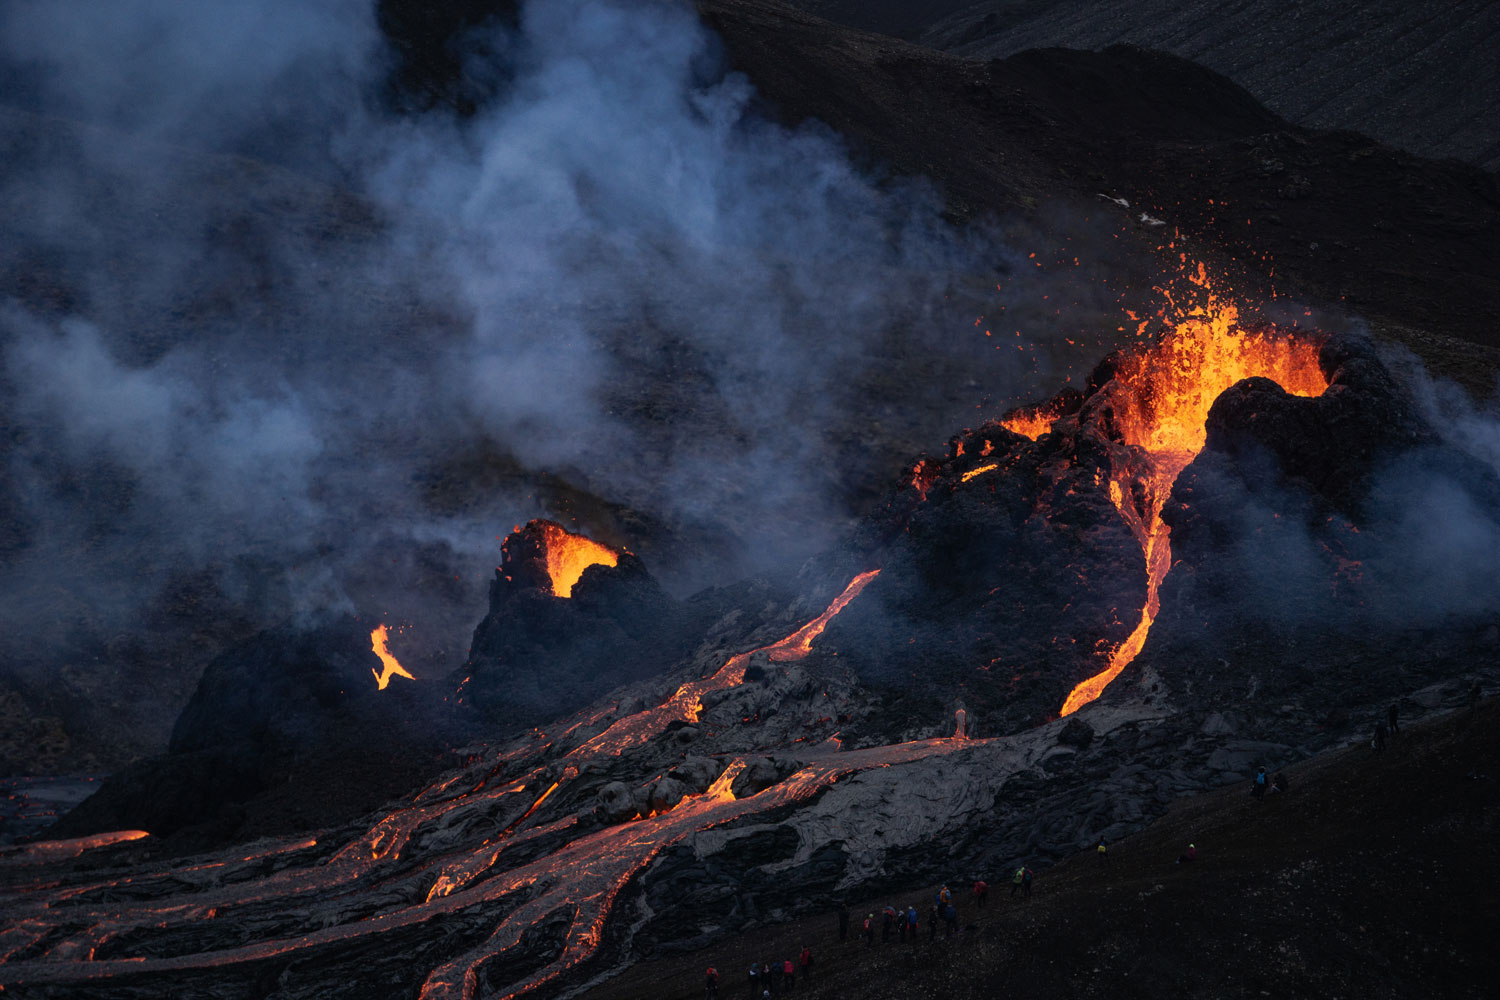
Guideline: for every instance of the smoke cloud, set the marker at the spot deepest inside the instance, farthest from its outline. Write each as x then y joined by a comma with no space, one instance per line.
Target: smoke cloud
264,335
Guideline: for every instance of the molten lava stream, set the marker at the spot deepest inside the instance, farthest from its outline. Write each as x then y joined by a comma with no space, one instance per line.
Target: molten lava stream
591,871
687,701
389,666
584,874
1173,383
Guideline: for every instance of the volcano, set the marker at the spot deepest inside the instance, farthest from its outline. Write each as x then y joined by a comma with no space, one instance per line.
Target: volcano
759,643
1028,622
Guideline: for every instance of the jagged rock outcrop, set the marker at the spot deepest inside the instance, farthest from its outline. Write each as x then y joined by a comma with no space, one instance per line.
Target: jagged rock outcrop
538,654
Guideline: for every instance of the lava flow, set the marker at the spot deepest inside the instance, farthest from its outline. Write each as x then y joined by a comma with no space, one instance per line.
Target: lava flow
686,702
1170,386
390,667
440,856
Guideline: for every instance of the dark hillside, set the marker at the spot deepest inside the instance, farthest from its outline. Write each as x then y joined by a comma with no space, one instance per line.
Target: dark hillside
1330,217
1365,879
1423,77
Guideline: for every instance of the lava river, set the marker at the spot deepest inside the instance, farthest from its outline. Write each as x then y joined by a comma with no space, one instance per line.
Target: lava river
419,863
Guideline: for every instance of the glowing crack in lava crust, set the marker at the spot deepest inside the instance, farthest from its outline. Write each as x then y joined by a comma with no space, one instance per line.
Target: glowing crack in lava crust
1171,384
568,555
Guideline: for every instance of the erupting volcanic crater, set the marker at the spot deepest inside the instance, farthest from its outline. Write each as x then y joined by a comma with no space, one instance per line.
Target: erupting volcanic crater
1072,577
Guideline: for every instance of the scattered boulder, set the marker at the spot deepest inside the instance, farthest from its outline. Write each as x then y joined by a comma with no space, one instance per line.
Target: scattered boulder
697,773
614,803
758,775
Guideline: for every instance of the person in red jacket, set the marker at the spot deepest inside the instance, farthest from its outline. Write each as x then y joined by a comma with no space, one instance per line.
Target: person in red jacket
788,975
711,988
806,962
981,891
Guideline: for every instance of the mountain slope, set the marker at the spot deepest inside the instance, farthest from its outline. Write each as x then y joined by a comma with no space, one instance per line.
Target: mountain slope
1367,878
1332,217
1418,76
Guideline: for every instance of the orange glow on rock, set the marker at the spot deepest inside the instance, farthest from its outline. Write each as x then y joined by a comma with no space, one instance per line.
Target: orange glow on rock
978,472
55,850
1031,422
1171,385
568,555
390,666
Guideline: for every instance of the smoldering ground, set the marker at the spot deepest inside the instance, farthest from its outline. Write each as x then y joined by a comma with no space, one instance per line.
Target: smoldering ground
270,347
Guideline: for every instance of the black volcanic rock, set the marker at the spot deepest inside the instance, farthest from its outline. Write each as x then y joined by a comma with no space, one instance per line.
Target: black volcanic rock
1322,545
537,656
1331,443
1006,567
278,687
295,707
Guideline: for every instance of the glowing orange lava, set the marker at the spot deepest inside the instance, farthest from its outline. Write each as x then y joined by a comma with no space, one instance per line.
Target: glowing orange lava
1172,384
568,555
54,850
54,931
799,643
978,472
390,666
1031,422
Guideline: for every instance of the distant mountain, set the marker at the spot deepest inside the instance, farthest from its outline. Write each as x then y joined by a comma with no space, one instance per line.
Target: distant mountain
1423,77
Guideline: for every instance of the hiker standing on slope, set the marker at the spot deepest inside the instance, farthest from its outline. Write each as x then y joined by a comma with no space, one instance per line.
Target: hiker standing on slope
1258,789
711,989
1026,876
981,892
1103,851
754,980
806,963
1016,880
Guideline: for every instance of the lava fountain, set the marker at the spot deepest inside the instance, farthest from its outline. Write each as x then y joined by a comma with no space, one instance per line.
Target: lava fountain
1163,392
390,666
568,555
549,555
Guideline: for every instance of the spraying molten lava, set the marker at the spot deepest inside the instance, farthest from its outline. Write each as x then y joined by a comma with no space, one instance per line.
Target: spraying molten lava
568,555
390,666
1167,389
